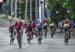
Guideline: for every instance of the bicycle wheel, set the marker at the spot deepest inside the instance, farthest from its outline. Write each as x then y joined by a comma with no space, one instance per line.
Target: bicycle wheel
45,35
30,37
11,38
19,39
67,37
11,41
52,32
28,40
39,38
20,43
39,41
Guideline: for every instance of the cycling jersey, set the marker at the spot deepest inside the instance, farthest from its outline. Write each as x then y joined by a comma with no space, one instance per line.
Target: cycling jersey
39,28
16,24
29,28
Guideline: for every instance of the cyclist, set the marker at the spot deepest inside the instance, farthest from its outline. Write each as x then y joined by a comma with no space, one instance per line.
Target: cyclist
19,31
52,28
21,26
67,28
25,26
39,27
45,26
29,33
33,24
73,27
11,30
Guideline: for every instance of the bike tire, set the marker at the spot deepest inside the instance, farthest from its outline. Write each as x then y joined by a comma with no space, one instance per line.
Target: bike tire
39,41
20,44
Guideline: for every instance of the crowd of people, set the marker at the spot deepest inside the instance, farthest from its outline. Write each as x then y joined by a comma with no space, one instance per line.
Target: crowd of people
39,29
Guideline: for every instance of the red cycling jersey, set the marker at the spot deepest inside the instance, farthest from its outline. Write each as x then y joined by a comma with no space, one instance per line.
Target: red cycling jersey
33,25
16,24
20,24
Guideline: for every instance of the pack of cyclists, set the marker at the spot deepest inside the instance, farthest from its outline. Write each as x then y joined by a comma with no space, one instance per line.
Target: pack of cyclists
38,29
31,29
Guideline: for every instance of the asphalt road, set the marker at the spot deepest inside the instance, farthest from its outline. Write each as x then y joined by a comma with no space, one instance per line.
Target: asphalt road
49,44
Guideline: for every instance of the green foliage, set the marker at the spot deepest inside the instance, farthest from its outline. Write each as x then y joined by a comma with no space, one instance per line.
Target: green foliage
22,9
56,6
63,6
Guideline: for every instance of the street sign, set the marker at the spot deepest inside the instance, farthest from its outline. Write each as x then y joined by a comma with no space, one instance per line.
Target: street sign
40,16
41,10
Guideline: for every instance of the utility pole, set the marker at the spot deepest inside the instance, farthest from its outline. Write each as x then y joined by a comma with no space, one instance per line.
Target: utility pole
26,9
41,10
30,9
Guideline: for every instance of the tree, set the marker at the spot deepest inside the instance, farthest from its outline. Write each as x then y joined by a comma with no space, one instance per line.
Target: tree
21,8
56,11
59,10
71,4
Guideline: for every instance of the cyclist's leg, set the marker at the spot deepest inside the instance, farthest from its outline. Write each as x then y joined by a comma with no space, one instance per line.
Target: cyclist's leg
19,43
69,34
45,33
40,37
66,37
19,39
29,38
